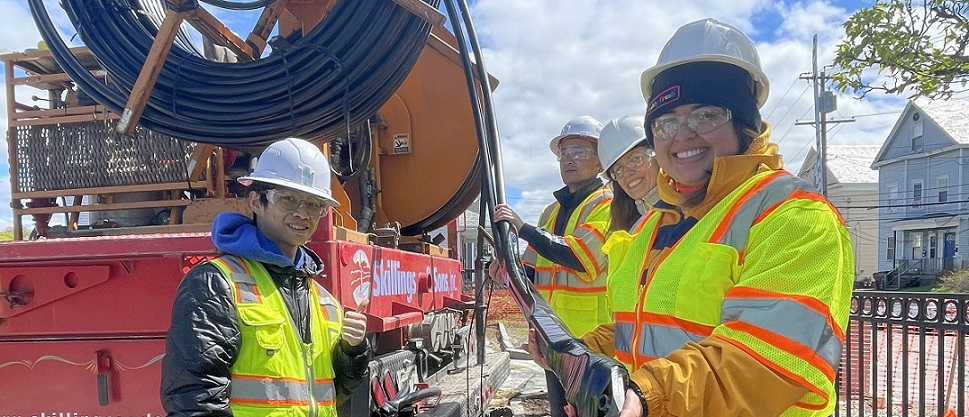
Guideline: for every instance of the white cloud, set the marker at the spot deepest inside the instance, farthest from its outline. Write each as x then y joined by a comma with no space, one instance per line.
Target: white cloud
555,63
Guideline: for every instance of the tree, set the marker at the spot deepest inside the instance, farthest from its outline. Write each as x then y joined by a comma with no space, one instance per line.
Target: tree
921,46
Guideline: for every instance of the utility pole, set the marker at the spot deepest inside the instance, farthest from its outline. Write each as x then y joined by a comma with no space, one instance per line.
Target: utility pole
824,103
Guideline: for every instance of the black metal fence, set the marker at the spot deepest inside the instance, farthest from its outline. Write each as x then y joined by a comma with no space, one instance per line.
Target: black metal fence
905,355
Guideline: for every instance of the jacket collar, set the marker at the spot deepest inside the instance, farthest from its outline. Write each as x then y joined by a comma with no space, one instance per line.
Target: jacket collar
567,199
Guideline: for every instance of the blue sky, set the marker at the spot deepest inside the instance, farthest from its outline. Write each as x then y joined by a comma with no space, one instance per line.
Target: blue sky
556,62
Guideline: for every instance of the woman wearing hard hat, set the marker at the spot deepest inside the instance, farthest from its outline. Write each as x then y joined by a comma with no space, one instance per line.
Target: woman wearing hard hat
630,165
733,299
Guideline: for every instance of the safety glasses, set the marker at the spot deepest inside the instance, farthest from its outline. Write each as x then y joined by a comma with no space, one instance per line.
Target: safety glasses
701,121
290,201
575,153
635,162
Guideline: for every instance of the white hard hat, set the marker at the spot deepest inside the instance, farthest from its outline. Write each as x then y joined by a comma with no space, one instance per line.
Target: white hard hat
582,126
618,137
295,164
712,41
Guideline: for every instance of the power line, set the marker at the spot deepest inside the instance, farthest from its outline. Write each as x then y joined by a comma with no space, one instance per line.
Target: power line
791,107
792,128
778,102
914,205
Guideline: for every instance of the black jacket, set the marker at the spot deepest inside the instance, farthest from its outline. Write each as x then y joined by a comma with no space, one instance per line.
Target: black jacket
203,340
549,243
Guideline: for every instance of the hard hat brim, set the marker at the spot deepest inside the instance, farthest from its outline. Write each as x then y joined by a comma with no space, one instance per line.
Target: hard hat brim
758,76
553,145
605,170
291,185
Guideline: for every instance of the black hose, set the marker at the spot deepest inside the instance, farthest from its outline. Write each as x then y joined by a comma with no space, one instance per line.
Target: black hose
153,13
345,68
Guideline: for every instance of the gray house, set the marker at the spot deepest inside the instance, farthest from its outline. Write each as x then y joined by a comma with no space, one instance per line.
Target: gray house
922,171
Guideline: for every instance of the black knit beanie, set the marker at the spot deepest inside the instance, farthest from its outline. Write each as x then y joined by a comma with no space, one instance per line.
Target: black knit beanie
705,83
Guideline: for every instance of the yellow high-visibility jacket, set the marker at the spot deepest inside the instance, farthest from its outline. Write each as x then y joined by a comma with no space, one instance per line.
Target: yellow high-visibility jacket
742,312
275,374
616,246
577,297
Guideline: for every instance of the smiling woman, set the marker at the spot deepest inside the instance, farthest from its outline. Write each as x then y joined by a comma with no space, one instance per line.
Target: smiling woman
725,266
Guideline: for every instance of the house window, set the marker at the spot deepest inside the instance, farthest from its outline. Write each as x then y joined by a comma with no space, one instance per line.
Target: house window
891,249
467,257
917,246
932,246
917,195
917,136
892,197
943,189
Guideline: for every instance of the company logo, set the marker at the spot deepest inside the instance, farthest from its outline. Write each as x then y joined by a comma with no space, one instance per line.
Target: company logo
306,175
666,97
390,279
445,282
360,277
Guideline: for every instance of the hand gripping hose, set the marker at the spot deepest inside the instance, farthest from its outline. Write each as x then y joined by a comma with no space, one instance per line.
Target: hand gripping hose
594,385
336,76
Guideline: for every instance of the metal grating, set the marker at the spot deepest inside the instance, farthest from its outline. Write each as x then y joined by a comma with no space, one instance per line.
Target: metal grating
92,154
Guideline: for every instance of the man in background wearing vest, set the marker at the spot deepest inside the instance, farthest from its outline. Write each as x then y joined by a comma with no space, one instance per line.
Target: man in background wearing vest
252,333
564,257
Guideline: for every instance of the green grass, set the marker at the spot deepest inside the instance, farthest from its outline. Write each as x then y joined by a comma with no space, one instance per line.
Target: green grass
6,235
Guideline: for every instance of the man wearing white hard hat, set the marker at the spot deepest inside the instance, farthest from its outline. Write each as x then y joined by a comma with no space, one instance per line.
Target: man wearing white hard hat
733,298
564,256
253,333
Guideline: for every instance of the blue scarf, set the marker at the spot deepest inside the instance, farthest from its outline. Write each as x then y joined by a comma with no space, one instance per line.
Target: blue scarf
237,234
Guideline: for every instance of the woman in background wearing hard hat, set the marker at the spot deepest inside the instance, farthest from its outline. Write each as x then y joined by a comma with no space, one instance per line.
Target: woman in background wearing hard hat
740,279
630,165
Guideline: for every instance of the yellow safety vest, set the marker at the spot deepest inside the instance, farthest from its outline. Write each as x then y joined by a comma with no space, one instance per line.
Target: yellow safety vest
275,374
616,246
793,323
577,297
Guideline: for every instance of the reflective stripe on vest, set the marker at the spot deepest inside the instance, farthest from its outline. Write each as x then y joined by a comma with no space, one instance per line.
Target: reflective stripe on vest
331,309
578,298
770,314
256,390
664,322
275,373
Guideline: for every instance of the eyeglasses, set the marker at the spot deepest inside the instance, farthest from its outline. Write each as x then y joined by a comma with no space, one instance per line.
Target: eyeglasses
576,153
290,201
701,121
635,162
